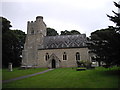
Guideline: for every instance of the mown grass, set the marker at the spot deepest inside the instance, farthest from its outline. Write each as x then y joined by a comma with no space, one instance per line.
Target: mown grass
0,74
70,78
17,73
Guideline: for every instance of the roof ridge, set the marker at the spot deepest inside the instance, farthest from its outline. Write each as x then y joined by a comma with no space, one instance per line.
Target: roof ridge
66,35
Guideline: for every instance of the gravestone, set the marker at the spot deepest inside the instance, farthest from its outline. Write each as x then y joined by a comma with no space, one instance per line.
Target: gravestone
10,67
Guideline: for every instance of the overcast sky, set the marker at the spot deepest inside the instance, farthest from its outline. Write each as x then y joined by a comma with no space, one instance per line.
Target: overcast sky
85,16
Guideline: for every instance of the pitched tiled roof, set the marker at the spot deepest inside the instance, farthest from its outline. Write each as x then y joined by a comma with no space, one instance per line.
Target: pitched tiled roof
64,41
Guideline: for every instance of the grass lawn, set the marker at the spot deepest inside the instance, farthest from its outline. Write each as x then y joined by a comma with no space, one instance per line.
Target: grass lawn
17,73
70,78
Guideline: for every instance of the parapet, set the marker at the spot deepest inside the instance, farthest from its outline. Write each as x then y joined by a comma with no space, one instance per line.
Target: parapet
39,17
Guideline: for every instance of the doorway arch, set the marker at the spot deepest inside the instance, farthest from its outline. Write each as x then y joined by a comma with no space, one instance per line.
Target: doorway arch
53,63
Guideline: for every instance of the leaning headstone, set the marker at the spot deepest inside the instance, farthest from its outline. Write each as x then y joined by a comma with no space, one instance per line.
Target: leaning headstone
10,67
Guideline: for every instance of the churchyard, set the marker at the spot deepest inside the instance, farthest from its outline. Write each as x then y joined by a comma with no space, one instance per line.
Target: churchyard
63,78
6,74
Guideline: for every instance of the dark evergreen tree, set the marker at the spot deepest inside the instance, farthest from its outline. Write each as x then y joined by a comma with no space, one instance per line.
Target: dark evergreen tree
5,24
104,44
72,32
116,18
66,32
18,44
51,32
12,44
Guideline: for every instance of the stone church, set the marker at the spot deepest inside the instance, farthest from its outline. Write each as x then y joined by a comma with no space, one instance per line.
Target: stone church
52,51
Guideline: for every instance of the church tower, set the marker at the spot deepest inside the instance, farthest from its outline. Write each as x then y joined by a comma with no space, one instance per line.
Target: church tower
36,31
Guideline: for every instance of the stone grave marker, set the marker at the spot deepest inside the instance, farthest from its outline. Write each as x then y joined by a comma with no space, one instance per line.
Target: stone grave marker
10,67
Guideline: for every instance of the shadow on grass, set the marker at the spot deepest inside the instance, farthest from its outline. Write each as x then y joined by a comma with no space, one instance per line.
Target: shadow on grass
113,72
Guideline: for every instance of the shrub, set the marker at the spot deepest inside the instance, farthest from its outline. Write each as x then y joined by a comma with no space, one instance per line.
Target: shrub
88,64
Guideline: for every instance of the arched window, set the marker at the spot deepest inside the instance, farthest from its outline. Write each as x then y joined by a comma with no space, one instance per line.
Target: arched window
47,56
64,56
77,56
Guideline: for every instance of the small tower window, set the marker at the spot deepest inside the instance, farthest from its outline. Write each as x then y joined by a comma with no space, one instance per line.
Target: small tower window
32,31
77,56
64,56
47,56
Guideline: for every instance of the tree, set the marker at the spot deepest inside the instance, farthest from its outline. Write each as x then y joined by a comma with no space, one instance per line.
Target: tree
5,24
116,18
17,46
72,32
12,44
66,32
5,40
51,32
104,44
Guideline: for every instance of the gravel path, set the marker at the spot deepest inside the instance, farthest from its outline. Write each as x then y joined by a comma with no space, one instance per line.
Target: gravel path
18,78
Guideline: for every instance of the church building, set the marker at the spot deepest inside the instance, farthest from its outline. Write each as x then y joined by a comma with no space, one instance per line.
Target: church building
52,51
